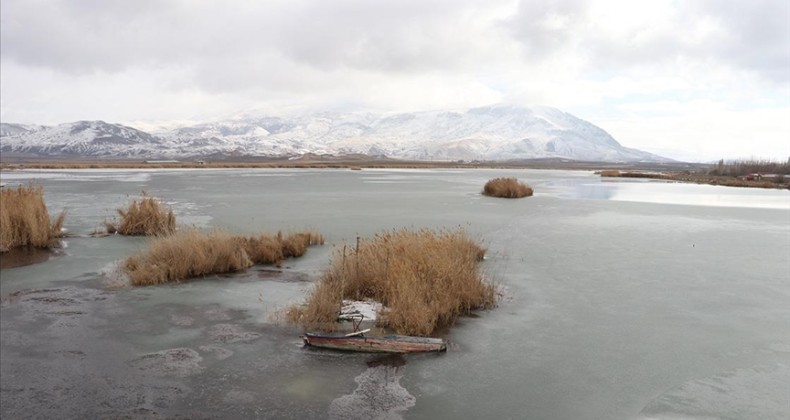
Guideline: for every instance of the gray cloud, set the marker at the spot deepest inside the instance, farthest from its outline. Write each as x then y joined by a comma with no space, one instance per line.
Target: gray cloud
91,35
758,34
753,35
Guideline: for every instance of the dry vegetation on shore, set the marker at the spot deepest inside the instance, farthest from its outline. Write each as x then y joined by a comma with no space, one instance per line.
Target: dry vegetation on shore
24,219
192,253
148,217
426,279
779,181
507,188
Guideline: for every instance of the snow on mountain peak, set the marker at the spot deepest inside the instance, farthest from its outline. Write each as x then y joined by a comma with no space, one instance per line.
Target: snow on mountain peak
495,132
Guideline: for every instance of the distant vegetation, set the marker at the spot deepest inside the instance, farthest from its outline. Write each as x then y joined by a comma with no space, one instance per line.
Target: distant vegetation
635,174
756,174
506,188
24,219
193,253
747,167
426,279
147,217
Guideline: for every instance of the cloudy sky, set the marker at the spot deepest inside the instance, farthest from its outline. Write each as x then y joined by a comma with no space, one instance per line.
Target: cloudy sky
698,79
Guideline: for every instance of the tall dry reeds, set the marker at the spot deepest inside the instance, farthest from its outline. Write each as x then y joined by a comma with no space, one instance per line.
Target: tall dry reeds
426,279
192,253
24,219
148,217
506,188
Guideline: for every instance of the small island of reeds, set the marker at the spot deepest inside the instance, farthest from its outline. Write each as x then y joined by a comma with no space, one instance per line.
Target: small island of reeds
425,279
148,217
24,219
192,253
506,188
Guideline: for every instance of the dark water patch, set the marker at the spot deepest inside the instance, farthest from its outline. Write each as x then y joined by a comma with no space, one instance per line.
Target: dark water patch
269,274
22,256
71,353
391,360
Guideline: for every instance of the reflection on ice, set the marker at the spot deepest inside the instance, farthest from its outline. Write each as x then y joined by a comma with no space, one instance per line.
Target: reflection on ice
684,194
131,175
379,395
760,392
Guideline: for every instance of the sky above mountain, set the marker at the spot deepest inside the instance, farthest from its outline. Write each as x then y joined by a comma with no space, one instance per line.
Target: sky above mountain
696,79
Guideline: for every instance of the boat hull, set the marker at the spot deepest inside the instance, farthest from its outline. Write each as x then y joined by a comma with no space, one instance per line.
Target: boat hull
387,344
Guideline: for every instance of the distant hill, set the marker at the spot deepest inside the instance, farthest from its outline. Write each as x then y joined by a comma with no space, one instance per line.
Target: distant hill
493,133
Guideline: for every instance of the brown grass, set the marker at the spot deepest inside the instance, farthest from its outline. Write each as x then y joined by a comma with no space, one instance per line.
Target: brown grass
426,279
193,253
24,219
144,218
635,174
688,177
506,188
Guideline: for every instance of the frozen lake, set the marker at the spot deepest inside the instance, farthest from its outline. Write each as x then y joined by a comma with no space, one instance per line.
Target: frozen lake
624,299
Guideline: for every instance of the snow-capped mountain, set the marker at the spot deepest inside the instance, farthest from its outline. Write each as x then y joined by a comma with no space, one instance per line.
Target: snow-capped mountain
81,138
17,129
497,132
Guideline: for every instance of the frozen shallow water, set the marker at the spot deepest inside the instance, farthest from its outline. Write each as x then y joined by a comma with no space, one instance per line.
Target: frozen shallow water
624,299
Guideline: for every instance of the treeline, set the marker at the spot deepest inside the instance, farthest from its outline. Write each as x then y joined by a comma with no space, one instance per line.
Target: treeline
746,167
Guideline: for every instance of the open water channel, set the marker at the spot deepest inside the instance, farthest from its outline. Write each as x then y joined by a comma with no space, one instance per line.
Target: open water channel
622,300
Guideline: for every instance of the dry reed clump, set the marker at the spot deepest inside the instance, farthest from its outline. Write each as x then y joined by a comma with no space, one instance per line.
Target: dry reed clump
273,249
610,173
506,188
147,217
426,279
24,219
192,253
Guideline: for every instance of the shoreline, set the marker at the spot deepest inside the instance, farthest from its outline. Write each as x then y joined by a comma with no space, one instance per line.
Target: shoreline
696,178
340,163
694,173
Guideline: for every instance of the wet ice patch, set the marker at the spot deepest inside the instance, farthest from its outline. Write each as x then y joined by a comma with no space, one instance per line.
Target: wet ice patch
181,320
230,333
379,395
219,352
217,314
62,304
177,362
759,392
237,396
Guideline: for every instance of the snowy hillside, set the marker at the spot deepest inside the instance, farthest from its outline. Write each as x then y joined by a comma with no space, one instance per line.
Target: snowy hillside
82,138
488,133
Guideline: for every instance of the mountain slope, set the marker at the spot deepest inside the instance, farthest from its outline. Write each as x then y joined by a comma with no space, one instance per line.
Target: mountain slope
497,132
82,138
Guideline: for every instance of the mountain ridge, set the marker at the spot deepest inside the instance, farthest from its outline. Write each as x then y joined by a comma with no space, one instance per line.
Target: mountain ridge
493,133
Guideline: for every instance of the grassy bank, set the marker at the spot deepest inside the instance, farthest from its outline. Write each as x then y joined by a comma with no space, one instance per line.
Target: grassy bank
780,182
506,188
192,253
24,219
426,279
147,217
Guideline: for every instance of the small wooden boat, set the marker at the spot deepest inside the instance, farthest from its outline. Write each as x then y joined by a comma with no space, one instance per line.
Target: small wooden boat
387,344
